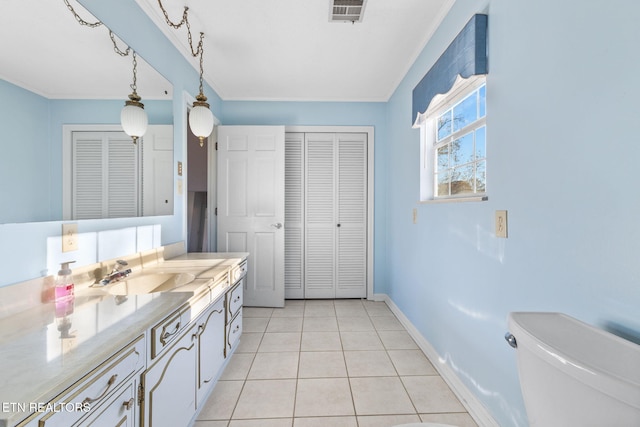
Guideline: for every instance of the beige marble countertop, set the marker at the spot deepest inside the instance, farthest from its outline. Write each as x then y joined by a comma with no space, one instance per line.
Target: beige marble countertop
42,353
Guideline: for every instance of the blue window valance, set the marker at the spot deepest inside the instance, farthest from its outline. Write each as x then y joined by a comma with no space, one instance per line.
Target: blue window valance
466,56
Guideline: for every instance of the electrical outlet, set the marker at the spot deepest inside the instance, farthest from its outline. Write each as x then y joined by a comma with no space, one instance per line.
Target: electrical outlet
69,237
501,224
415,215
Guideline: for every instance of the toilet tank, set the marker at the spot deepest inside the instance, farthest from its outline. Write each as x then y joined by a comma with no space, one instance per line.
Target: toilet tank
573,374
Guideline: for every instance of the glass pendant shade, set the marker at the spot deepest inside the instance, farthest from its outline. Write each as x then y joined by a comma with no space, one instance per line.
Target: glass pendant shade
201,120
134,119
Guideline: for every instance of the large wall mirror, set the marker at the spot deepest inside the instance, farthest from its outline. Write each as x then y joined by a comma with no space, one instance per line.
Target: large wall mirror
58,77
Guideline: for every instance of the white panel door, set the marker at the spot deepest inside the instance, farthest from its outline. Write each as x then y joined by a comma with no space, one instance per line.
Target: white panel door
251,207
157,170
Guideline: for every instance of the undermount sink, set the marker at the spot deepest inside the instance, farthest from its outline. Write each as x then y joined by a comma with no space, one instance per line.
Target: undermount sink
150,283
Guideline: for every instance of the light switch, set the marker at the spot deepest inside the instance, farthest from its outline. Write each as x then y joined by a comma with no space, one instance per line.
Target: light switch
415,215
180,189
69,237
501,224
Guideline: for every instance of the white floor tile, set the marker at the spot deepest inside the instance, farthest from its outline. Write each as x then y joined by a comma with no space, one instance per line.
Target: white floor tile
222,401
321,341
285,324
249,342
380,396
274,366
355,324
323,396
411,362
458,419
322,364
368,364
361,341
431,394
397,340
274,422
238,367
266,399
326,363
280,341
386,420
325,422
320,324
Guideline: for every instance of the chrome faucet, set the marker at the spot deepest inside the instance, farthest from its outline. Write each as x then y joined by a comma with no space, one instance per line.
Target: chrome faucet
117,273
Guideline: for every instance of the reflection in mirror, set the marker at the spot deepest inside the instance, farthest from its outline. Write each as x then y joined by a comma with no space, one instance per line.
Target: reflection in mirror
56,74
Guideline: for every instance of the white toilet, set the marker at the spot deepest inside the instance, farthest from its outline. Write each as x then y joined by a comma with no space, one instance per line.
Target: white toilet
573,374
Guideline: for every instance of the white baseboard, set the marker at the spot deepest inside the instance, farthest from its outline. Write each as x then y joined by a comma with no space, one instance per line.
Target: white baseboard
476,409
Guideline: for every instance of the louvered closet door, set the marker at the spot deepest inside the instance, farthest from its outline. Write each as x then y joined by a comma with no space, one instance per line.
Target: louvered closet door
335,215
105,181
351,233
293,216
320,216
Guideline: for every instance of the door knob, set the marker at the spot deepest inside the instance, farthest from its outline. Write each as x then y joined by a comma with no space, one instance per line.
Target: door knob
277,225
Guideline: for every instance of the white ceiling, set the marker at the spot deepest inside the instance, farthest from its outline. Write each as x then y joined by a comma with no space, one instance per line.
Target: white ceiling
47,52
254,49
288,49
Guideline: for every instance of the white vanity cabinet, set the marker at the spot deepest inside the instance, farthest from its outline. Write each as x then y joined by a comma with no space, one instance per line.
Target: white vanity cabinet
233,307
165,368
179,380
105,396
211,349
169,398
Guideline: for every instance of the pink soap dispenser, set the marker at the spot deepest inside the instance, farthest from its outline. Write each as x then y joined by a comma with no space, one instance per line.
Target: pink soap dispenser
64,284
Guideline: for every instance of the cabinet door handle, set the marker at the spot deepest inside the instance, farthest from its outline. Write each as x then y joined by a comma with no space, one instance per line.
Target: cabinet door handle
166,334
237,328
111,381
128,404
277,225
237,299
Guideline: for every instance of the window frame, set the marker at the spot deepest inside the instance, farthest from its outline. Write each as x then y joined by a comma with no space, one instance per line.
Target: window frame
429,144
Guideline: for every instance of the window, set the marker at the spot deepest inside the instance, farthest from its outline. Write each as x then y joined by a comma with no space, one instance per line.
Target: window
454,143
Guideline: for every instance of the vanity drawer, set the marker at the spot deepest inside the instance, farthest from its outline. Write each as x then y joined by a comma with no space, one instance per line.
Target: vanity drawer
166,331
119,411
238,272
234,300
234,330
97,387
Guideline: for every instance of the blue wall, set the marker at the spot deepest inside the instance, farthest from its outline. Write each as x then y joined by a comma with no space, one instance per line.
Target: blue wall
25,141
562,103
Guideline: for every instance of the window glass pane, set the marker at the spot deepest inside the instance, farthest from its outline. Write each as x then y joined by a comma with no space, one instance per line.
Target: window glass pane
481,176
482,101
443,158
443,184
481,142
444,125
462,180
465,112
462,150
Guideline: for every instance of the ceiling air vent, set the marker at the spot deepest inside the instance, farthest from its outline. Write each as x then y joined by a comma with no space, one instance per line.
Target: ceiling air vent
346,10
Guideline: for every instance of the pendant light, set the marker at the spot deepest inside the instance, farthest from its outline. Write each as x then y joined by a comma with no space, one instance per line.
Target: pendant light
200,117
133,117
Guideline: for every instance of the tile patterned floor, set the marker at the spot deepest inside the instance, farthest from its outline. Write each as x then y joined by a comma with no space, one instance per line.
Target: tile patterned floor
328,363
